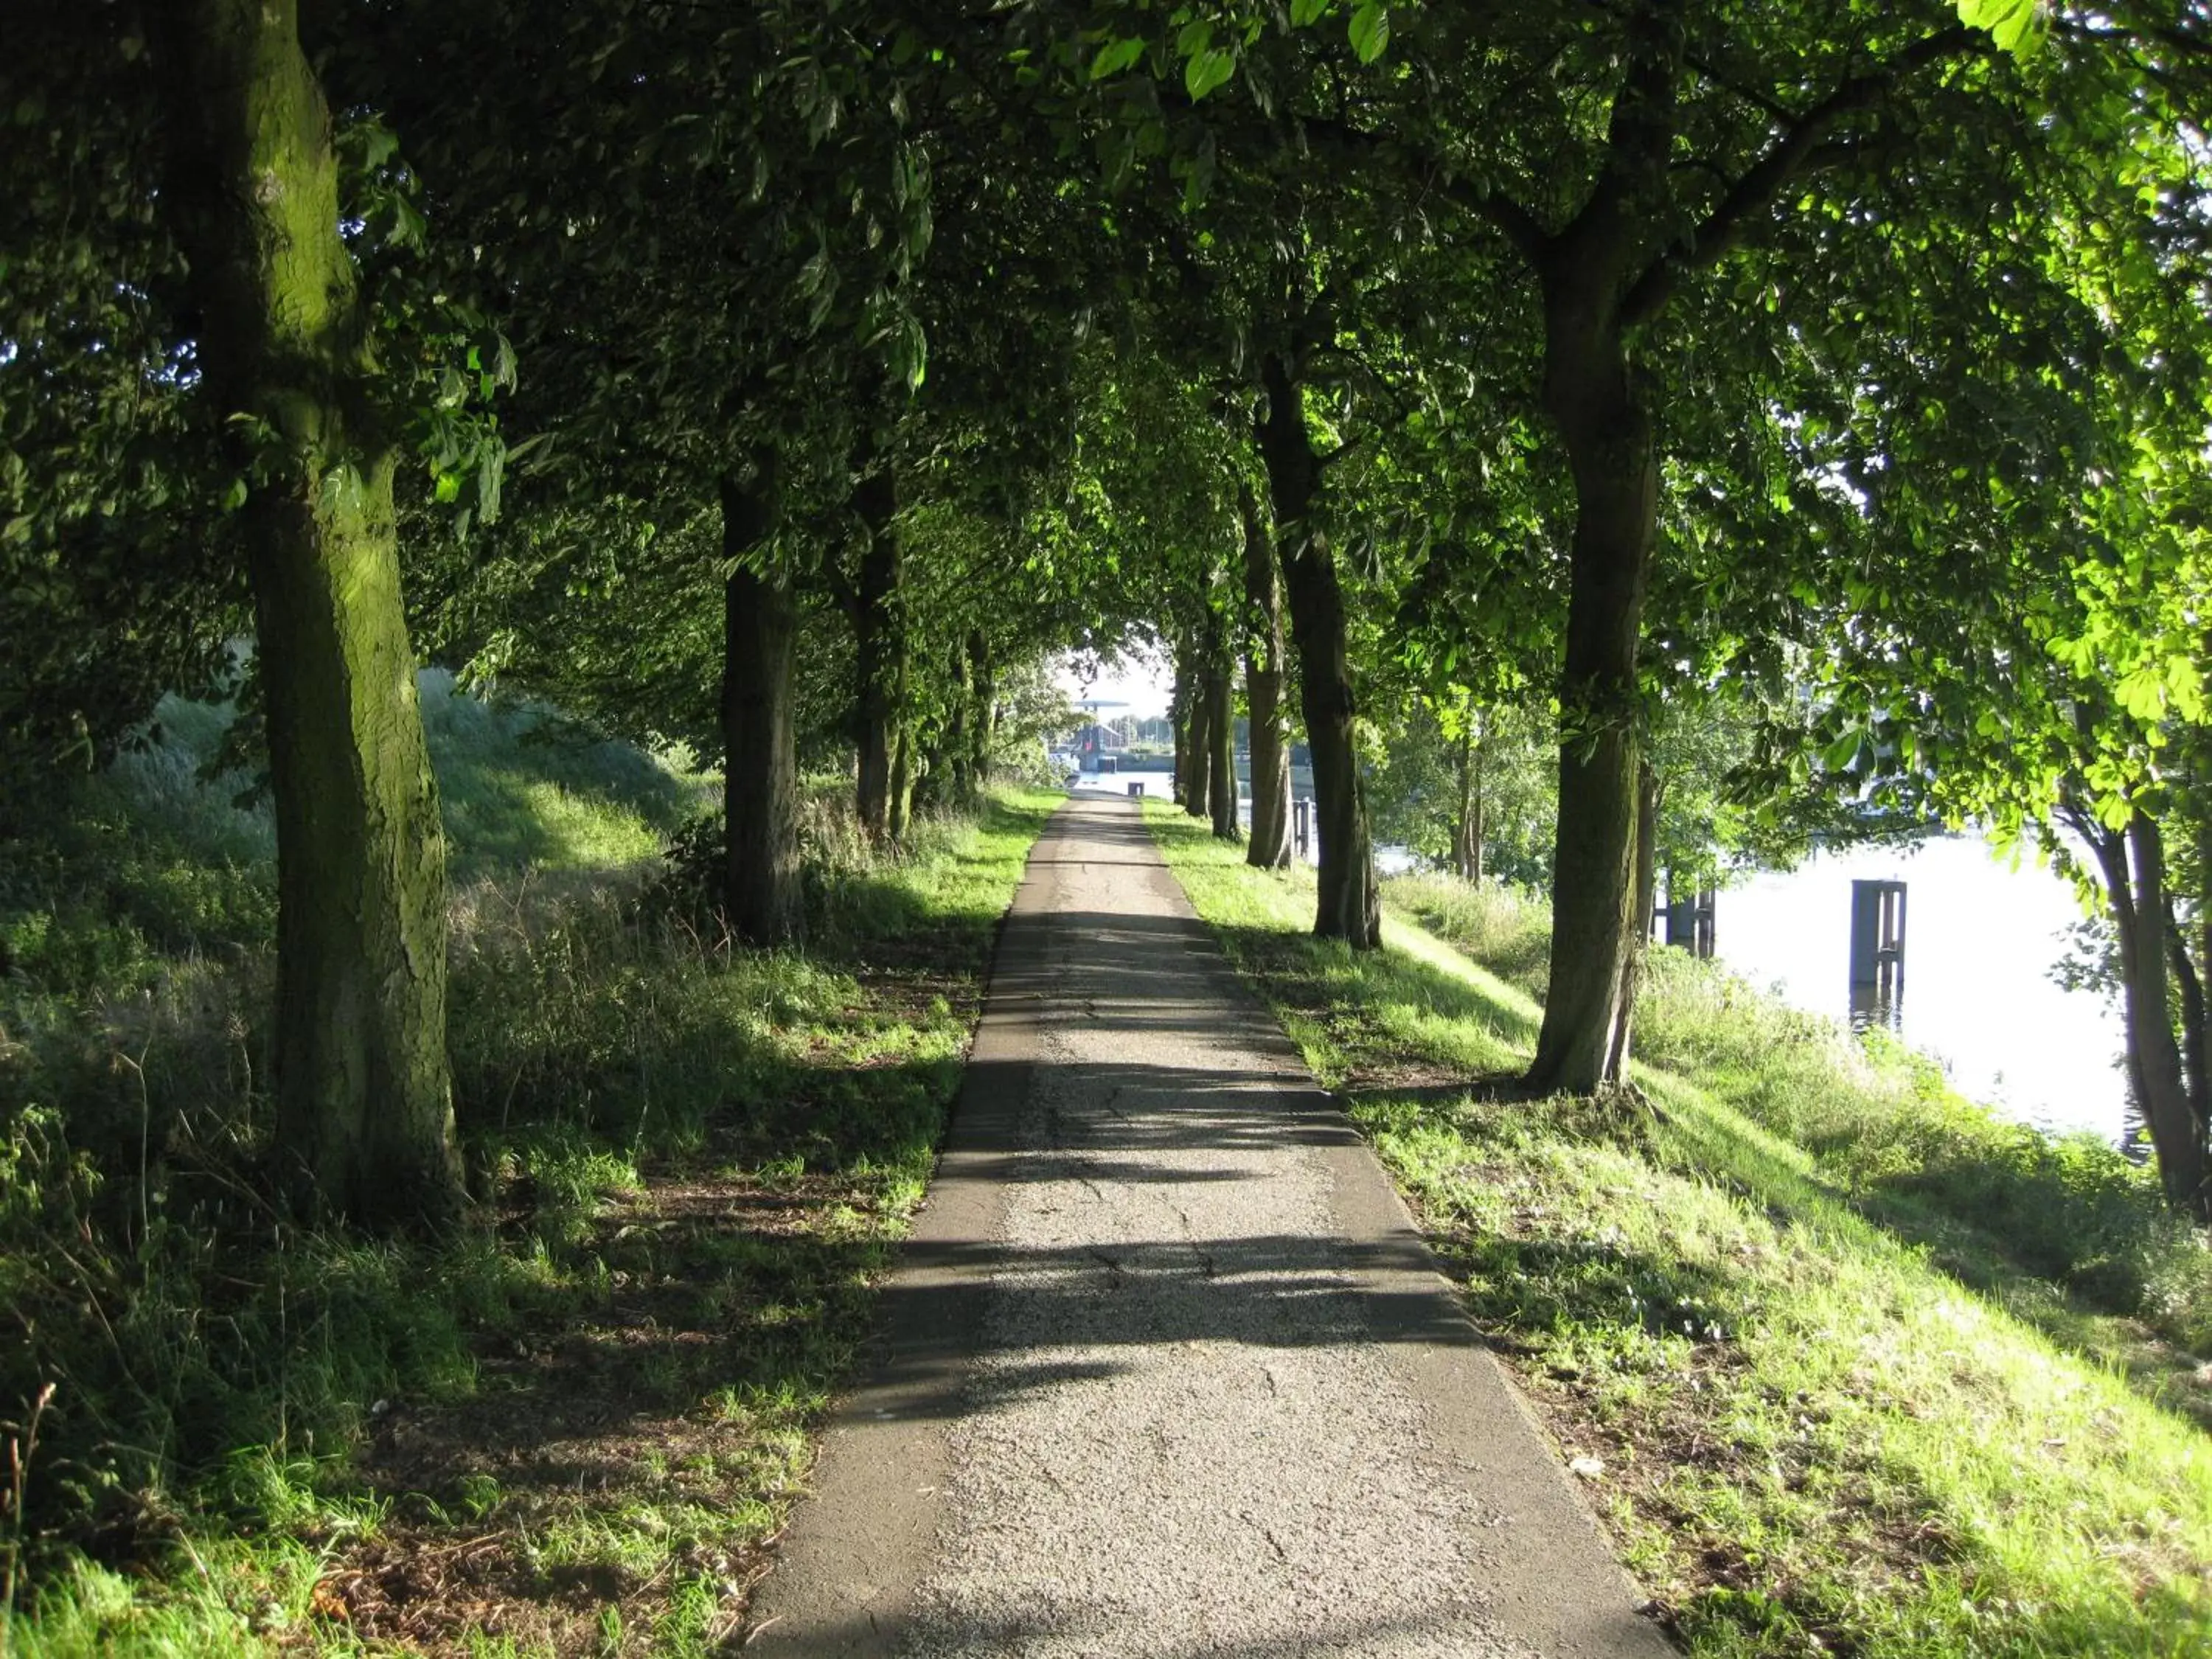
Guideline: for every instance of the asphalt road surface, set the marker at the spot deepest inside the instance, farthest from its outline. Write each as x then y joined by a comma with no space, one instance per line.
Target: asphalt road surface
1165,1371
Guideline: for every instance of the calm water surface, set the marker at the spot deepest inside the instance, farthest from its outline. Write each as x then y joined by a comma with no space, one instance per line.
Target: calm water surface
1981,936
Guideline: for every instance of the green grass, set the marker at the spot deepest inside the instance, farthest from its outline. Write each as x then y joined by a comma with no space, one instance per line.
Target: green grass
573,1427
1803,1309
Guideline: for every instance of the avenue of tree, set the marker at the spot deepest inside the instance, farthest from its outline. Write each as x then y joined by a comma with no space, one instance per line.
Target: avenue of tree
1793,417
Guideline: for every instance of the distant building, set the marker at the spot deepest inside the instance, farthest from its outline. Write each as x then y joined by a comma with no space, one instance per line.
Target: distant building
1093,741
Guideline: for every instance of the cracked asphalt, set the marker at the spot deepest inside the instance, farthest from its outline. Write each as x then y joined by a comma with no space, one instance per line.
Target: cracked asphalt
1166,1369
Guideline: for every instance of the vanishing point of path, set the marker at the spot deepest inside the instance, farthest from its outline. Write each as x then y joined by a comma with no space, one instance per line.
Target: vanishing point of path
1166,1370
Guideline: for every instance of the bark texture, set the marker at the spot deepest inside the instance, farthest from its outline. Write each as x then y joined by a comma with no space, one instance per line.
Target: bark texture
1647,897
2133,864
1269,847
904,770
1587,274
958,753
1592,397
879,653
1468,830
762,895
983,721
364,1114
1198,743
1349,906
1221,732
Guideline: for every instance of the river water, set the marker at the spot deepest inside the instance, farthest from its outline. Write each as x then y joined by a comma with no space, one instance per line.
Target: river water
1981,935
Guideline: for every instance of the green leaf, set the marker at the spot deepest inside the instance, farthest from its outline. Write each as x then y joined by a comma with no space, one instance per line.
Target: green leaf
234,495
2186,685
2017,25
1306,12
379,144
1208,71
2142,694
1370,30
1115,58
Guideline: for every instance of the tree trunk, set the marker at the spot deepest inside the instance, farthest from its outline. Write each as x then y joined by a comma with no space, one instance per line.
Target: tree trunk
1198,744
1589,394
1647,899
1221,732
762,897
364,1111
1270,846
2202,1061
1467,832
983,722
1179,714
879,650
2137,896
947,776
1350,906
900,809
2196,1043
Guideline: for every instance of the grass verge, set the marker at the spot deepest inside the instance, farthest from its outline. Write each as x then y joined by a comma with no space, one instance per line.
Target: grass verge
573,1428
1829,1401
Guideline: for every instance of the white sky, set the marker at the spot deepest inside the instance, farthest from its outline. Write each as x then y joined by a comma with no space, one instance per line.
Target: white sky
1141,682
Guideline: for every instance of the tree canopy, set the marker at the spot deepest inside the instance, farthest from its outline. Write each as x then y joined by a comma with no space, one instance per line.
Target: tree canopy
1785,418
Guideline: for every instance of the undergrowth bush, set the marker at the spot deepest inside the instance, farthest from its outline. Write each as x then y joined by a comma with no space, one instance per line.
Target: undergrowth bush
208,1359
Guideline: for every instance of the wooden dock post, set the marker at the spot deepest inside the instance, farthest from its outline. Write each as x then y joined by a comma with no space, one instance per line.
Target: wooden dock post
1877,953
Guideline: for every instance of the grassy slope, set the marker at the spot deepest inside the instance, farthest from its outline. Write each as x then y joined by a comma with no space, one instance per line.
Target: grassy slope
1814,1435
570,1430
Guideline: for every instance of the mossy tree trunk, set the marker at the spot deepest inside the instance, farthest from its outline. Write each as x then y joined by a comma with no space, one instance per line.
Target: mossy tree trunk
364,1113
904,768
953,759
983,721
1269,847
762,894
879,652
1350,906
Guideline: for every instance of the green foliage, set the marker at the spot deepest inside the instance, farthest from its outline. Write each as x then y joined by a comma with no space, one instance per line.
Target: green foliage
2017,25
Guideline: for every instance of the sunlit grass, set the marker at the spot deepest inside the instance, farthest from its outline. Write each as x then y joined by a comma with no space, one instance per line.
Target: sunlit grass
1814,1438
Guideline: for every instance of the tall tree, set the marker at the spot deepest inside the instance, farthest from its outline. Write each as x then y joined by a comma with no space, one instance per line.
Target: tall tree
365,1121
1269,847
762,893
1350,905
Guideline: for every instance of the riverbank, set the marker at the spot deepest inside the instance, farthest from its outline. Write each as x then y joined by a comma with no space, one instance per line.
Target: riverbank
574,1426
1846,1363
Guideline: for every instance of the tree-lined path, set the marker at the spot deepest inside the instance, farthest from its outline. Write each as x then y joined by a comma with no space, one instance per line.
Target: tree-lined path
1167,1370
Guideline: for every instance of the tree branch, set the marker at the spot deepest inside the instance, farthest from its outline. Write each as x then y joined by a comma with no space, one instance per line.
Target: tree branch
1517,224
1793,150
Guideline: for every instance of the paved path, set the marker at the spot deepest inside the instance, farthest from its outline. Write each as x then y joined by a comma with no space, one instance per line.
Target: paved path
1166,1371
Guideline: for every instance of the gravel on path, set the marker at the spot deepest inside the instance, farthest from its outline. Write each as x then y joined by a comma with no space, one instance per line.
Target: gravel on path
1166,1370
